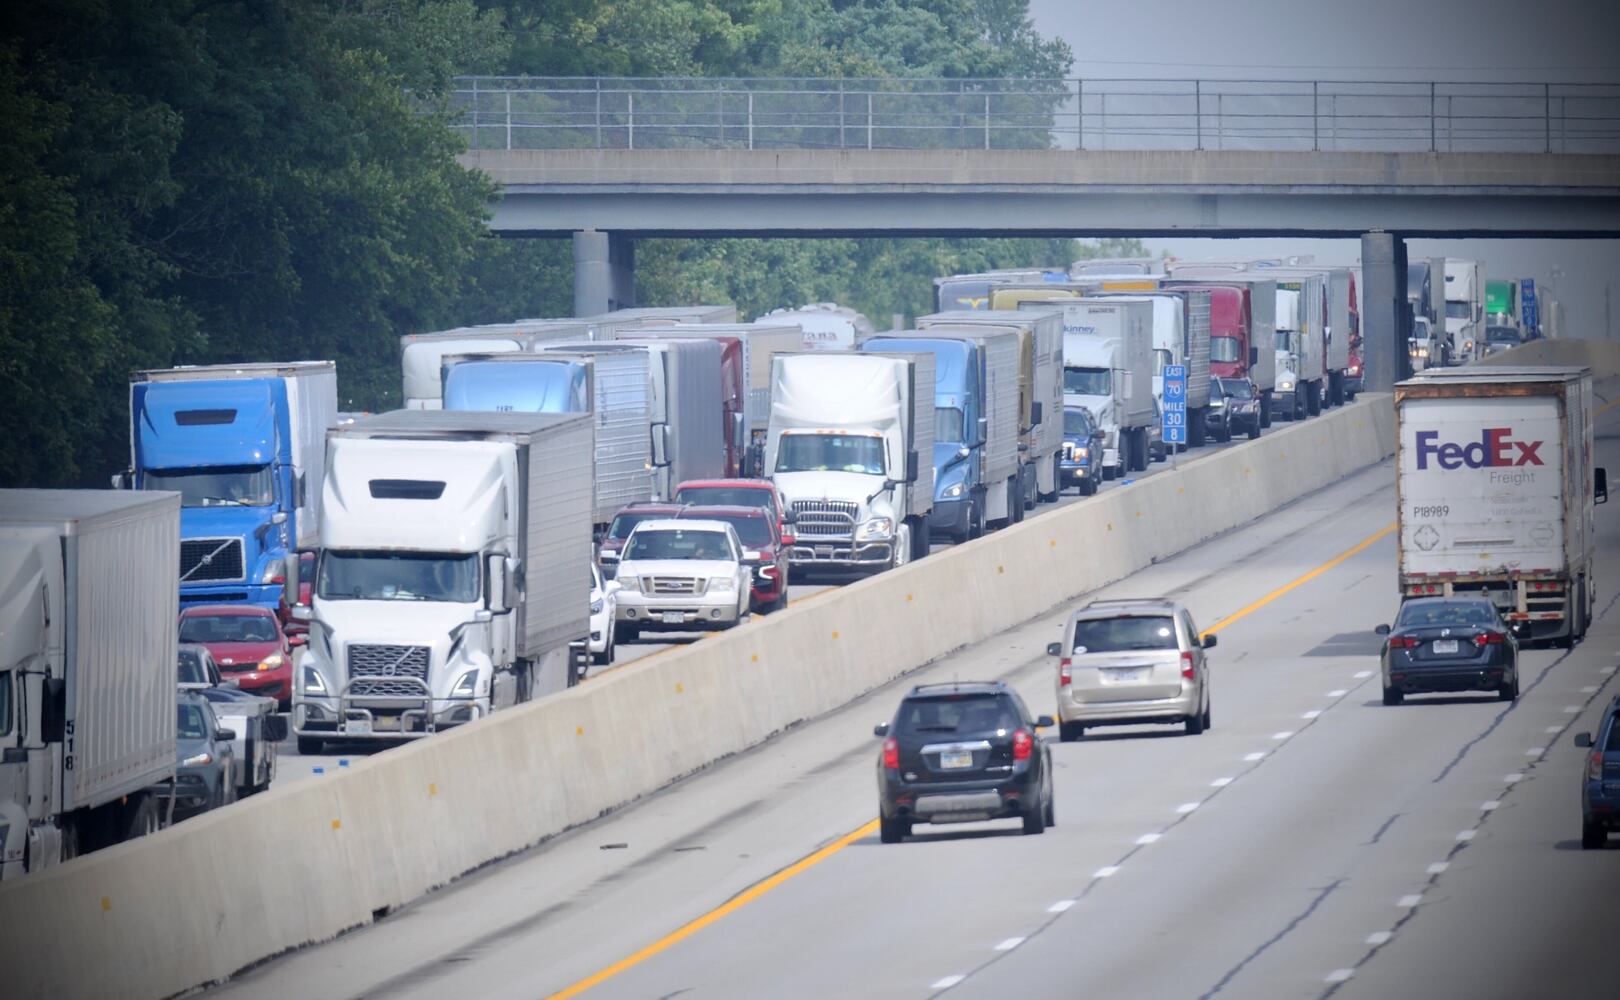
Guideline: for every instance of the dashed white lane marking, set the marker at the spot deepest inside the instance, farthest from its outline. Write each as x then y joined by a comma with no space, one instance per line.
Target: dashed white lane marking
1252,757
1060,906
1535,751
1186,807
1589,689
1285,734
1513,778
1464,836
1362,675
1340,975
1555,729
1572,710
1009,944
1439,867
1105,871
1606,671
1407,902
1490,804
1220,782
1379,937
1337,693
1147,838
1312,714
945,982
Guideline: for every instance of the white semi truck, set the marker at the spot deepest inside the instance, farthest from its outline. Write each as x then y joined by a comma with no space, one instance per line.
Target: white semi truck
89,593
453,571
1465,309
850,449
1108,369
1495,492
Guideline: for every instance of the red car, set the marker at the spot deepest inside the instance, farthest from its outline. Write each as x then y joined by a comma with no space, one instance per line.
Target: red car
611,544
740,493
763,551
247,643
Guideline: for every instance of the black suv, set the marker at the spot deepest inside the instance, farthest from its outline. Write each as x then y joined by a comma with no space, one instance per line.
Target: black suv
1600,779
957,753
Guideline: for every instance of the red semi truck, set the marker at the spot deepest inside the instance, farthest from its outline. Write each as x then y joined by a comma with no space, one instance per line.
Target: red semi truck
1234,349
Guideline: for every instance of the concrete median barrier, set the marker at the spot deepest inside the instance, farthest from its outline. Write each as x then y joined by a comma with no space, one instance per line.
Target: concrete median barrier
301,864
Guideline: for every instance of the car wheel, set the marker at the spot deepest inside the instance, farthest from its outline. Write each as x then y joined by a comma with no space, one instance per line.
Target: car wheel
605,657
1509,692
1070,732
1254,431
1035,820
1206,716
892,831
626,632
1195,724
1593,835
1051,810
311,746
1393,696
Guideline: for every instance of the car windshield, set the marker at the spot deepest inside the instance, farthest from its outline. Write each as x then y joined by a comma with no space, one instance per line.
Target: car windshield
751,531
1502,334
1224,349
831,453
948,424
1086,381
1237,388
962,714
1459,613
719,496
399,576
227,628
220,486
677,543
191,668
1114,635
623,524
190,723
1076,422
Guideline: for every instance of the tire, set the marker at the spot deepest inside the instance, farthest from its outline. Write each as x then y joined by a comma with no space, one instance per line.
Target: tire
1035,820
143,818
311,746
1089,489
625,632
1207,715
892,831
1015,499
1254,431
1393,696
1195,429
1265,410
1195,724
1593,836
1509,692
1057,483
605,657
1051,811
1071,732
1225,433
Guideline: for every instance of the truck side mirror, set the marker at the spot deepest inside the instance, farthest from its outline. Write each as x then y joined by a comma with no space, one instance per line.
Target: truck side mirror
660,444
301,489
123,480
289,579
1583,740
495,600
911,467
739,428
1254,356
53,711
984,432
1600,486
1034,414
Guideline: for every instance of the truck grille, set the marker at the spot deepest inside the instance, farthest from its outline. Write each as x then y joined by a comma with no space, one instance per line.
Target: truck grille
385,661
824,518
671,585
208,559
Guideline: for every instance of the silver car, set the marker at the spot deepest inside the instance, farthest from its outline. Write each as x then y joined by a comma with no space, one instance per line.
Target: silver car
1127,662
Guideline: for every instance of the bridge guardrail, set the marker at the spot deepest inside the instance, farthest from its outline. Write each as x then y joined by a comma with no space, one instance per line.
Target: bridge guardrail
1088,114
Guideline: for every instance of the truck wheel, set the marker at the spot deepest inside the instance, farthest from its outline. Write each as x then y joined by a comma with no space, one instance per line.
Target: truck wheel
142,817
1195,429
975,525
892,831
1313,398
922,541
1015,499
1593,835
1265,409
311,746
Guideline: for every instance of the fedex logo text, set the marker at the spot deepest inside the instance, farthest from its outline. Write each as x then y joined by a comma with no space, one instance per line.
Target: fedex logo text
1494,449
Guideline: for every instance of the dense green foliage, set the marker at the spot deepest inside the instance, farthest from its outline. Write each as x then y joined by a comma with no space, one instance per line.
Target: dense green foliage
191,181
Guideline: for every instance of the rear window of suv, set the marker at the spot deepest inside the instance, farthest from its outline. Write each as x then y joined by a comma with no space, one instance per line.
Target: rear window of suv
967,714
1115,635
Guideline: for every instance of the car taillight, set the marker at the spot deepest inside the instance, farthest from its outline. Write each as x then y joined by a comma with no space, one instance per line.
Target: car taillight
1488,639
1404,642
891,754
1065,672
1594,765
1022,745
1187,666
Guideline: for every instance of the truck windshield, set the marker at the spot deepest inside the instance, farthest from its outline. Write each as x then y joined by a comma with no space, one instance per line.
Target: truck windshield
1224,349
830,453
948,424
1086,381
677,544
219,486
1282,343
399,576
1458,310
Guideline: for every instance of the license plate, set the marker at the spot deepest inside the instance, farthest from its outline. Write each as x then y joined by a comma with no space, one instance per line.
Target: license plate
357,727
952,759
1445,645
1126,675
673,617
824,551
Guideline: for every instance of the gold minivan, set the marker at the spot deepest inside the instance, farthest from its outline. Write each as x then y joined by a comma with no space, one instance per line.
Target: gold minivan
1124,663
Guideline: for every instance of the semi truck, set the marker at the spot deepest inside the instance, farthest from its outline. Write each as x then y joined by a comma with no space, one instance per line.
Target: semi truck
1180,337
972,291
1300,337
452,576
1465,309
1495,491
975,451
422,354
851,435
1242,334
245,447
613,386
1108,368
1040,390
88,677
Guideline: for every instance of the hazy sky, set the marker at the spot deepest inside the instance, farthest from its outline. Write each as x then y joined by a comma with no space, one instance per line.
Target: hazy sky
1560,41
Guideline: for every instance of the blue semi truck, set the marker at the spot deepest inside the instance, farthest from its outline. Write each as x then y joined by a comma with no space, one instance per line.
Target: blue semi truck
245,447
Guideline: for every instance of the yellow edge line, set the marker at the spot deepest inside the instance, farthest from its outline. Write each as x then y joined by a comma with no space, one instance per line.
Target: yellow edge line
737,902
1308,577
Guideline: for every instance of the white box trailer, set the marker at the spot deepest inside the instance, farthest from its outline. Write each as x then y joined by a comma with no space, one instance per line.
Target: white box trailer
1495,491
89,594
688,434
827,326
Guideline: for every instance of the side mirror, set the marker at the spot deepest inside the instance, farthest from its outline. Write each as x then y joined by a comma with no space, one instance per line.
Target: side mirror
1208,642
1583,740
224,735
1600,486
1254,356
483,616
660,444
984,433
123,480
279,517
301,613
1381,630
295,641
495,599
1044,722
1518,628
739,428
53,712
882,730
791,517
289,574
1035,413
911,467
1054,649
612,587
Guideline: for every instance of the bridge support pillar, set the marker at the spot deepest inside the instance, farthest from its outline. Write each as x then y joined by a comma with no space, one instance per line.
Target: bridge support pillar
604,272
1385,319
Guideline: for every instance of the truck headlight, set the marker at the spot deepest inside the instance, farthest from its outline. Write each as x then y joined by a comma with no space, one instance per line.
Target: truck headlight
197,760
722,585
1284,386
313,683
877,529
466,684
952,491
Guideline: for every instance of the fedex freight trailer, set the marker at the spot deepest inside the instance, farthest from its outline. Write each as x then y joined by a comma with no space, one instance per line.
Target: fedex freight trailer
1495,491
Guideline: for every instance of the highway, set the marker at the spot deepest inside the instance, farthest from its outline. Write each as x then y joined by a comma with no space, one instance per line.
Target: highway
1313,843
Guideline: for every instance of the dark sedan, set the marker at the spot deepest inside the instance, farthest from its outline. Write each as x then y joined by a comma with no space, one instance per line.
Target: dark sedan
206,776
1449,644
957,753
1600,779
